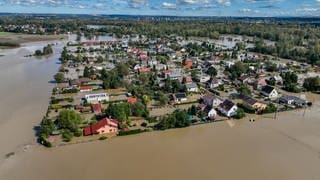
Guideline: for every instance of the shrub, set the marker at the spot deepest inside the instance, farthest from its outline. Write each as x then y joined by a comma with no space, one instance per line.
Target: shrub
144,124
78,133
240,114
246,108
103,138
44,141
67,135
125,133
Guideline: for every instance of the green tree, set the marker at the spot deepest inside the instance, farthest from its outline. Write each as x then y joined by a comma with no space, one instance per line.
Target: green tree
212,71
312,84
69,119
46,127
59,77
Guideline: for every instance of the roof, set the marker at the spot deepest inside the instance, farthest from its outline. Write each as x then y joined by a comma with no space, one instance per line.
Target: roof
95,127
226,105
191,85
144,69
132,100
292,98
267,89
180,95
249,100
86,87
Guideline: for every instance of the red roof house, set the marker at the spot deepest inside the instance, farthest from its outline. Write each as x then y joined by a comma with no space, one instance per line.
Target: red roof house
104,126
86,88
187,63
144,70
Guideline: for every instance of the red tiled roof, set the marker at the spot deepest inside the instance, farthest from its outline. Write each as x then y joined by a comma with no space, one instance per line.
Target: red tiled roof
132,100
95,127
86,88
144,70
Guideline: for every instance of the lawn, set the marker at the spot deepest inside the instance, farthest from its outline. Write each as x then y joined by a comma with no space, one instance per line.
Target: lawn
5,33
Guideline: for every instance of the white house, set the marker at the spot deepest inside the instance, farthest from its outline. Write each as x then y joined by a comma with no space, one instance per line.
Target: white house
228,108
202,78
214,83
211,100
192,87
91,98
212,113
270,92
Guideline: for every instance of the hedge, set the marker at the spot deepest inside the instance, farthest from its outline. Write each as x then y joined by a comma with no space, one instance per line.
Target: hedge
125,133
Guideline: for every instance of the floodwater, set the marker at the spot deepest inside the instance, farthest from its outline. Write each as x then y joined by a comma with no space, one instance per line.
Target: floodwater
287,148
24,93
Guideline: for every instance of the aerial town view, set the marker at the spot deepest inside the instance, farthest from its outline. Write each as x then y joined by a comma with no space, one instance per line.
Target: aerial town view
156,89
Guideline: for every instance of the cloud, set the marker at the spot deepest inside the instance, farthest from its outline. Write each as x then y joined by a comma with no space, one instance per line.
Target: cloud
137,3
248,11
168,5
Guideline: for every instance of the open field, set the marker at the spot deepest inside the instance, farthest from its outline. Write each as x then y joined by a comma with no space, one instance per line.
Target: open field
14,40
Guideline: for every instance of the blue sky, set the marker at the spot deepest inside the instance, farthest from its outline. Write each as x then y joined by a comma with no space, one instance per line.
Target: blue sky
167,7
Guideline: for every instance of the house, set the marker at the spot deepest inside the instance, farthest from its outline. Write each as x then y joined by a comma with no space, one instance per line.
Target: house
187,80
253,103
132,100
214,83
214,60
104,126
269,91
292,100
192,87
212,113
179,97
228,108
74,82
175,76
86,88
187,63
202,78
244,79
211,100
259,83
144,70
228,64
277,79
92,98
84,81
96,108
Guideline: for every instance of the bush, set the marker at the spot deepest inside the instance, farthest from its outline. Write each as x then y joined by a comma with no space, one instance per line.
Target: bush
125,133
67,135
240,114
103,138
271,108
144,124
246,108
78,133
44,141
151,119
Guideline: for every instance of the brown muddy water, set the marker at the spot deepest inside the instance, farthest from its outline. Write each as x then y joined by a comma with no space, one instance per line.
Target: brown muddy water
287,148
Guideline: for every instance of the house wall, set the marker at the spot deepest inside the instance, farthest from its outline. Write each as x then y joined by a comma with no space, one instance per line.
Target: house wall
107,129
232,111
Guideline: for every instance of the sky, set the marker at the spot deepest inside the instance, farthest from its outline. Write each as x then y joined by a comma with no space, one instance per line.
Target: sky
252,8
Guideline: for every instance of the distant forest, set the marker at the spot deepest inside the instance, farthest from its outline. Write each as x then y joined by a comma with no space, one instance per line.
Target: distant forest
295,38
